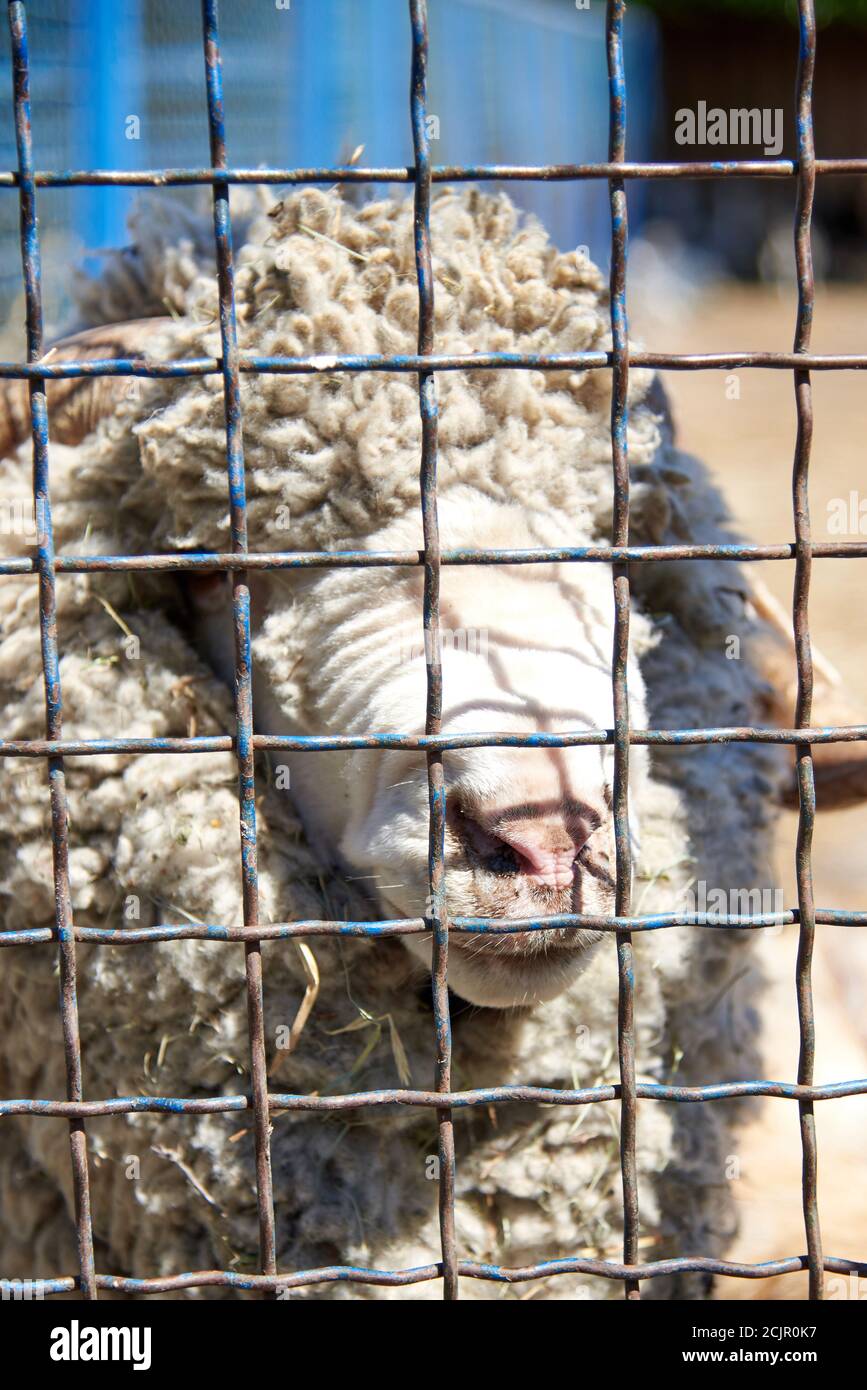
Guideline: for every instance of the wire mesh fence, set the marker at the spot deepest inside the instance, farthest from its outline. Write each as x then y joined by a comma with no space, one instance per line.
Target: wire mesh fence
244,741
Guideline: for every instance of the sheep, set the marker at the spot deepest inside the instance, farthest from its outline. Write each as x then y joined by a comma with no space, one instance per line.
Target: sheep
332,463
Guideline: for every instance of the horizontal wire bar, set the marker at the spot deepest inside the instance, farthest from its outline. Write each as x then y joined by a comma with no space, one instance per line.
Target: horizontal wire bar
429,361
440,173
470,1269
321,743
417,926
458,1100
364,559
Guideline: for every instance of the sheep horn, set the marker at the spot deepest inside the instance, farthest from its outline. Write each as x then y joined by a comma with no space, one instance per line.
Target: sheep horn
76,404
840,769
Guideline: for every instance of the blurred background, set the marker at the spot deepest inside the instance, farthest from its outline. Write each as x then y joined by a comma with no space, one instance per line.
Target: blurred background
118,84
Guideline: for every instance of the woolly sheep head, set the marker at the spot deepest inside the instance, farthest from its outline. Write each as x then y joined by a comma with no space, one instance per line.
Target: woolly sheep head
528,831
524,461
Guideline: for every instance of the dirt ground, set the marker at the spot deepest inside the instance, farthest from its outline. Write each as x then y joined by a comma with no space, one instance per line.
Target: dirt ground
749,444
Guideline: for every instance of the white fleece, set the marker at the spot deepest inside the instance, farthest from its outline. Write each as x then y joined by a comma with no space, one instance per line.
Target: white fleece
332,462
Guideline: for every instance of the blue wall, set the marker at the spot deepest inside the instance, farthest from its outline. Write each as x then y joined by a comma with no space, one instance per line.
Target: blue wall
511,81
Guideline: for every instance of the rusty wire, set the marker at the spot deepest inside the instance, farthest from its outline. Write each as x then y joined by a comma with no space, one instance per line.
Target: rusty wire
244,742
803,651
620,653
32,269
243,662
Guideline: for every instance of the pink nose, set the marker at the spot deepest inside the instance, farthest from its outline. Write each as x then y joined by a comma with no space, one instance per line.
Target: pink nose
545,850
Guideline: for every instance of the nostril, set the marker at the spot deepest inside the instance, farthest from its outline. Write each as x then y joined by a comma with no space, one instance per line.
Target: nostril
543,863
494,852
539,842
554,866
545,848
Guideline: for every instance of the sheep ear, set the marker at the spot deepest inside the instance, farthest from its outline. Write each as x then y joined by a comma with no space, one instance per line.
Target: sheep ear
839,769
76,406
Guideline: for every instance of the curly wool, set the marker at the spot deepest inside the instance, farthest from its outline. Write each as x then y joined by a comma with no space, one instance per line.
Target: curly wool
332,462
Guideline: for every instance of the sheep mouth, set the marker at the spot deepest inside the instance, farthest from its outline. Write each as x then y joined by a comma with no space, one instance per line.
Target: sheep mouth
487,879
511,971
512,898
524,946
530,963
516,969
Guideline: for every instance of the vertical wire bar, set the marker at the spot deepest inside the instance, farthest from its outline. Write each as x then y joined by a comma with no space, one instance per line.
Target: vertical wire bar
32,268
803,649
243,663
433,717
620,654
50,665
